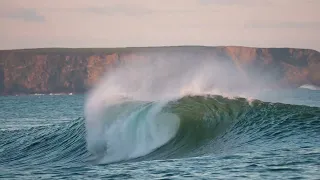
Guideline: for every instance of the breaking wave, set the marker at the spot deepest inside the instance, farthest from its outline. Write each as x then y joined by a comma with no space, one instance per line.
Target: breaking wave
175,109
190,126
161,110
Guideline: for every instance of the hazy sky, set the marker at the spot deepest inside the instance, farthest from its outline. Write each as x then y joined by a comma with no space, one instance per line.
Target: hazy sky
118,23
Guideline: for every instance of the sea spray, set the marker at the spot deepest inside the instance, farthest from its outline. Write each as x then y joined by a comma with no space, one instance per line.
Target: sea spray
120,133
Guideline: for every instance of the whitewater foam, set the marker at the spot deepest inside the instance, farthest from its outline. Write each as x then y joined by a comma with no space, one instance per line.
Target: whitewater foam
310,87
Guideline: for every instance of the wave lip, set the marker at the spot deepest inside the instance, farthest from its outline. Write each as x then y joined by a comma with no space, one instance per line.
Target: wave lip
133,129
138,131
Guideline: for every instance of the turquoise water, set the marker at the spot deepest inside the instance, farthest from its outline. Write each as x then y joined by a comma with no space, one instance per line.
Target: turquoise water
44,137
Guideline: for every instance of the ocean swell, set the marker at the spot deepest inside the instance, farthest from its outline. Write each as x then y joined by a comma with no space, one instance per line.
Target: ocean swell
190,126
194,126
174,108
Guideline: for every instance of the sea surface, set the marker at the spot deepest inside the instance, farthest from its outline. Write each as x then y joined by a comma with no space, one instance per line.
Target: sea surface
191,137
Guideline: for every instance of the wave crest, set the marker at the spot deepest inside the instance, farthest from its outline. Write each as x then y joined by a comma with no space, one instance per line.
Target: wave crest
160,108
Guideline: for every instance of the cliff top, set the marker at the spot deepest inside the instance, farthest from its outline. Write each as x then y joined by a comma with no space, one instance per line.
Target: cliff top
133,49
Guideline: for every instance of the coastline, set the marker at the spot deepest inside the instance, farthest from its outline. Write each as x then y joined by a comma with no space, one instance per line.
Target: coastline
76,70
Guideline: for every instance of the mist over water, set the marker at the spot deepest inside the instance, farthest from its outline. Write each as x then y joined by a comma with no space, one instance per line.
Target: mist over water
124,116
157,78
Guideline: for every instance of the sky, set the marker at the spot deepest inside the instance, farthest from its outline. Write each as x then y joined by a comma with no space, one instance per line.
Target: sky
135,23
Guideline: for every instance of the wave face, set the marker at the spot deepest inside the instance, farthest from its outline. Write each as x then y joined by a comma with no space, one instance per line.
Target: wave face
194,126
50,145
177,109
190,126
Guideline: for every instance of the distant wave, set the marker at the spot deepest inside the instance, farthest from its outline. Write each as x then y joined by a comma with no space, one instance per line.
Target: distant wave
310,86
52,94
38,94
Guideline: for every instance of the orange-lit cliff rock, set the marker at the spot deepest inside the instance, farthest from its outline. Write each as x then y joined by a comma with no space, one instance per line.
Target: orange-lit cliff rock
76,70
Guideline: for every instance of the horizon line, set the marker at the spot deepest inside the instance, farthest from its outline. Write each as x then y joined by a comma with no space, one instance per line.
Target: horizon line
164,46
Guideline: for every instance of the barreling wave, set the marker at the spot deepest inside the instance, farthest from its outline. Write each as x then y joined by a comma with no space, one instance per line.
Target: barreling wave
190,126
194,126
181,108
131,129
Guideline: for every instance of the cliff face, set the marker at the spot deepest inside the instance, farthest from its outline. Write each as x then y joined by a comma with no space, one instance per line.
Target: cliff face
76,70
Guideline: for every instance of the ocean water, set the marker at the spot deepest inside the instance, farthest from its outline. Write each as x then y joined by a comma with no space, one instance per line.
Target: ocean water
189,137
164,119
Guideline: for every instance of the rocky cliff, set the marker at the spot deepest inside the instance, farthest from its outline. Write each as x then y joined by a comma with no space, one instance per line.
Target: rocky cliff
58,70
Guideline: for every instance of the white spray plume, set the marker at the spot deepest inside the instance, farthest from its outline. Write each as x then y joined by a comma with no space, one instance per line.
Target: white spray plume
109,130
